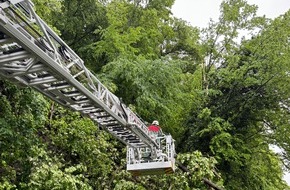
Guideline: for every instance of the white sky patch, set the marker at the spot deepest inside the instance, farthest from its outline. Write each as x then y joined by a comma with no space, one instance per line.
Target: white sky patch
199,12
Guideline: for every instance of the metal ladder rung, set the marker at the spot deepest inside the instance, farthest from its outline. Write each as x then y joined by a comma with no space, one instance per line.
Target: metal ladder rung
79,73
80,101
95,110
112,124
105,122
134,141
108,122
113,128
84,108
5,41
70,64
72,94
124,133
102,116
21,55
69,91
44,80
117,129
58,86
131,137
24,71
124,136
87,106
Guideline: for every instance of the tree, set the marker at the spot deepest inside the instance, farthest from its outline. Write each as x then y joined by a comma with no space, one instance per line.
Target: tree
154,89
233,94
22,115
79,22
243,88
140,29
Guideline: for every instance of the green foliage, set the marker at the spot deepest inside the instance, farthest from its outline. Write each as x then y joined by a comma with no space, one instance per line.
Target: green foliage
47,8
244,84
120,35
200,167
80,144
49,173
233,92
156,89
79,21
184,44
46,11
123,184
22,114
140,29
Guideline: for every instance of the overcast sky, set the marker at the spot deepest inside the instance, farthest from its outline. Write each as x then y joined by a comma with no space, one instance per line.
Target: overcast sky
199,12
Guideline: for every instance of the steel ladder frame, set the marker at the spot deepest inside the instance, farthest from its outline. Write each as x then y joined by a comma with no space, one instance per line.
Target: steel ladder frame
32,54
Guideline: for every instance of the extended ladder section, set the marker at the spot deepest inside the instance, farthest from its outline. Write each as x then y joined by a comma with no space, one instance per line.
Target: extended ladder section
32,54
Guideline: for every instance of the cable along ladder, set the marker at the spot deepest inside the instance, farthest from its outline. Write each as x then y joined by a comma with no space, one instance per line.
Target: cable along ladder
32,54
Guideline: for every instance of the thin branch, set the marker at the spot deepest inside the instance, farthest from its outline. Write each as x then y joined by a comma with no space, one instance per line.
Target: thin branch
205,180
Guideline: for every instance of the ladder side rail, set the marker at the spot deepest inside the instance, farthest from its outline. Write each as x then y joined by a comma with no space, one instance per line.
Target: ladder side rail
111,101
40,24
49,33
104,91
58,69
46,58
133,119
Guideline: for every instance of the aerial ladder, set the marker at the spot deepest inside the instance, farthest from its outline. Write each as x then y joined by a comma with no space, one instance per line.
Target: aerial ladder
33,55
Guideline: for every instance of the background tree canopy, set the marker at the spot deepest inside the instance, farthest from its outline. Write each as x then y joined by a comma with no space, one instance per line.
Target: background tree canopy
223,97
